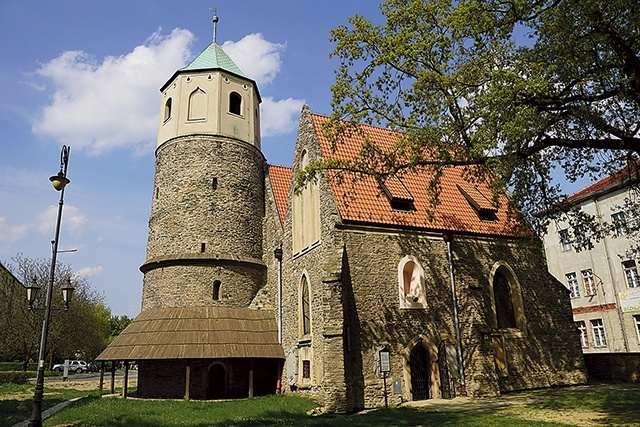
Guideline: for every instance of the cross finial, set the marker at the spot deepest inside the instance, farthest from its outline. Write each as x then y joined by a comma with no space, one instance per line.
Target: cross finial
215,21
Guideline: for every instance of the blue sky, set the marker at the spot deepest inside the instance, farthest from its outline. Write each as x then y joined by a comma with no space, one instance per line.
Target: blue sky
87,74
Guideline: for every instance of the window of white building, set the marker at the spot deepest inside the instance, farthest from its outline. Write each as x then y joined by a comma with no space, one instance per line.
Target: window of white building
619,223
597,328
589,282
631,274
572,284
565,241
636,319
582,328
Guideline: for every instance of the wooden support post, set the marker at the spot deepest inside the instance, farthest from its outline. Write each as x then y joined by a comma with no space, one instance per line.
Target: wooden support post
187,381
279,377
113,377
251,378
101,376
125,383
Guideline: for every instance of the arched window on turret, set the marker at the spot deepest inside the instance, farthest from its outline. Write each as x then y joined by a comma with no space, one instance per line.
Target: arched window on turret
198,105
167,110
235,103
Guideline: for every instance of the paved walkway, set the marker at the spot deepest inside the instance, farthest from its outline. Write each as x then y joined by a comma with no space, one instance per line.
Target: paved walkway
513,399
48,412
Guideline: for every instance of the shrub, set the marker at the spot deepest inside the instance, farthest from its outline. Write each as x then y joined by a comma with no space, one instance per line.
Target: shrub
16,377
17,366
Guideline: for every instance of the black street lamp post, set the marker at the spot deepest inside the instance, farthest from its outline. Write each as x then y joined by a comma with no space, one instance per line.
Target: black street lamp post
59,182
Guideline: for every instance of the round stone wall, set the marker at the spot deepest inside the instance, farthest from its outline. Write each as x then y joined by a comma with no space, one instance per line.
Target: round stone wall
205,224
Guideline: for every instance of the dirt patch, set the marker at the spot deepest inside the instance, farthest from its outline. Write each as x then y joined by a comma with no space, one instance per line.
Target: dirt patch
580,418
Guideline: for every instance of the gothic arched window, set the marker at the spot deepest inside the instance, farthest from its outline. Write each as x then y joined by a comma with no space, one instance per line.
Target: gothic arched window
506,299
504,305
305,308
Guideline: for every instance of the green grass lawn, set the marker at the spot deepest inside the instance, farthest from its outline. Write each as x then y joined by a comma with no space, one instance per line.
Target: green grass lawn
611,407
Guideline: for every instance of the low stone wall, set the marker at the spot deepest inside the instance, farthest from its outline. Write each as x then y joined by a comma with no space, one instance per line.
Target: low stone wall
613,366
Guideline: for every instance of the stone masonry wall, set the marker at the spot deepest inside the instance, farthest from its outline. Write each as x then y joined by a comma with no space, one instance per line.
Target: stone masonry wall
321,265
205,223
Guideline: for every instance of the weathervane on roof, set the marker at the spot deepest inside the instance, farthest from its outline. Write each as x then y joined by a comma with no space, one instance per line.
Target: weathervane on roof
215,21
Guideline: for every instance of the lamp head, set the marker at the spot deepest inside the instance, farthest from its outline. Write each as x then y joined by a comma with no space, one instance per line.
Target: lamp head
32,291
59,181
67,292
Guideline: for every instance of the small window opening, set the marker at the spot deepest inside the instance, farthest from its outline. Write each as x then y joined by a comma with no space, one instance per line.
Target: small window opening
214,183
157,192
216,290
167,109
399,196
235,103
203,247
306,369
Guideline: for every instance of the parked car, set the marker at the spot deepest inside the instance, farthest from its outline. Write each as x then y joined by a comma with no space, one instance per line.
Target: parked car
77,366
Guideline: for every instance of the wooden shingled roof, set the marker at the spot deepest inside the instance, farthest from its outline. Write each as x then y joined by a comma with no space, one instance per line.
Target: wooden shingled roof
197,333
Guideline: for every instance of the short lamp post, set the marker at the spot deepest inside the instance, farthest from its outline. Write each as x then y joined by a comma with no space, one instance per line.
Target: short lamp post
59,182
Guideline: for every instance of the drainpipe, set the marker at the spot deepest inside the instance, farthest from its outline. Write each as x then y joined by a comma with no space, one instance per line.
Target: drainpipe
277,253
448,237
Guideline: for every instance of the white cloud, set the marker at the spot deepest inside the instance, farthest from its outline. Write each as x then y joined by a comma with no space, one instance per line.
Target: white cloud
113,103
99,105
91,271
257,57
73,220
279,117
10,234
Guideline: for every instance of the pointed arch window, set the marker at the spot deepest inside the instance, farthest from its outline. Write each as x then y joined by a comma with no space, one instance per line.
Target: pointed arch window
198,105
504,305
506,299
235,103
305,307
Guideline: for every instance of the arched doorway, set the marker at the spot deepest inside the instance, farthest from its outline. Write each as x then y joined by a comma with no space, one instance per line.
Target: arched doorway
217,382
419,364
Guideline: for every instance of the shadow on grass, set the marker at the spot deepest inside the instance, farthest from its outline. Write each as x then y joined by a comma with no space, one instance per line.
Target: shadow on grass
619,407
97,412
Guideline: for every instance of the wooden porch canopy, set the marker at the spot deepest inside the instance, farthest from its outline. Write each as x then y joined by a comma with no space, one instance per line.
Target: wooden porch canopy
197,333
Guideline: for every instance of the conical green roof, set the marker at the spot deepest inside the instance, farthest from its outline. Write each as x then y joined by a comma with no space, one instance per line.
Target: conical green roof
213,57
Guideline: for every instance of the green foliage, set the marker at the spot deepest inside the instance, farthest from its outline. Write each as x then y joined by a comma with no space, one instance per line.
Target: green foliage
17,366
16,377
79,332
523,94
117,324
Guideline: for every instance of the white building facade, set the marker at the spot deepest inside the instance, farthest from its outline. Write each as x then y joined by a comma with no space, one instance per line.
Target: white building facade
603,281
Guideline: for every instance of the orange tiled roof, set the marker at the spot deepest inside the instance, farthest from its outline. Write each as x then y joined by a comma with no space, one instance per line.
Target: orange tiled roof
609,182
280,177
362,200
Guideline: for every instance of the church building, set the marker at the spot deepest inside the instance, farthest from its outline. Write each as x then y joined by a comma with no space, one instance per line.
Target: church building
350,291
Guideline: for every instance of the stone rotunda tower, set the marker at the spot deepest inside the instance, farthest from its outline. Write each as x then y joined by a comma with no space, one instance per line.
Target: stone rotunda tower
205,229
196,335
